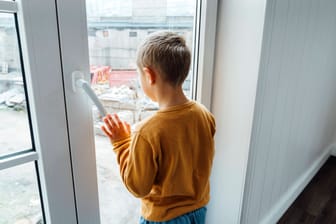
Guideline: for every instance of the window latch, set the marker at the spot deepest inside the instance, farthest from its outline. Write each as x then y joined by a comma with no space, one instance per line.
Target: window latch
79,82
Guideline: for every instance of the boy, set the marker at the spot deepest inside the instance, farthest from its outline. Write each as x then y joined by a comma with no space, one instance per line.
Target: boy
168,158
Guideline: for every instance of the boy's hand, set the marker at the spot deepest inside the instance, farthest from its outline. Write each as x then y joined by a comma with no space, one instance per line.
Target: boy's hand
115,129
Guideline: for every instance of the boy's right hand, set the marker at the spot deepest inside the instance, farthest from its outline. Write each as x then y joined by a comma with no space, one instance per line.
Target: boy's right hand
115,129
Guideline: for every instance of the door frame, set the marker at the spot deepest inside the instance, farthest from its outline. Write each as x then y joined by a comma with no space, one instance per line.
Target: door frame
73,37
41,69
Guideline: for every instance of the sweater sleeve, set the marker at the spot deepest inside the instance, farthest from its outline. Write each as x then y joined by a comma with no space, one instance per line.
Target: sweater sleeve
137,164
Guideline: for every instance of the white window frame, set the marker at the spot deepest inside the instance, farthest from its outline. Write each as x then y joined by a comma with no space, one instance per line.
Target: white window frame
42,69
75,57
205,53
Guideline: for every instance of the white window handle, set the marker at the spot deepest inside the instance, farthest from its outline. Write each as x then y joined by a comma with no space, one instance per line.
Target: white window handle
79,82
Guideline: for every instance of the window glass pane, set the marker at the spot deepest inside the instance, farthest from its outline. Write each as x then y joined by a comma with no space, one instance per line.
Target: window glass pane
14,123
116,27
19,195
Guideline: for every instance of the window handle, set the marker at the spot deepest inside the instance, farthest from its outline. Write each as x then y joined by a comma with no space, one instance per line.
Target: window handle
79,82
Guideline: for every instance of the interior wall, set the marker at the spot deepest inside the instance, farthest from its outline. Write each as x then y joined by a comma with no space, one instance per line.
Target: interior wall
238,49
333,152
295,113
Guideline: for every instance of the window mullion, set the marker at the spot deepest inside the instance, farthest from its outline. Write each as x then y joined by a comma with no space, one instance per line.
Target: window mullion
18,159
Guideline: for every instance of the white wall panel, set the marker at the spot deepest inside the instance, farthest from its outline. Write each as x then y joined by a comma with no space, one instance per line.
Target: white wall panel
238,47
295,113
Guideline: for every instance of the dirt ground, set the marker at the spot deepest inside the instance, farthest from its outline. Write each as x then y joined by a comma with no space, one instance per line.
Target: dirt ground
19,197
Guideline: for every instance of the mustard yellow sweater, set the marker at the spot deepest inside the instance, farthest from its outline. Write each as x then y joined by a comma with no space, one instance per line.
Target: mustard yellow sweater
167,161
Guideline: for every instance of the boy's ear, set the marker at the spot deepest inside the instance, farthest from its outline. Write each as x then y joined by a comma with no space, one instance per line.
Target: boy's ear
150,75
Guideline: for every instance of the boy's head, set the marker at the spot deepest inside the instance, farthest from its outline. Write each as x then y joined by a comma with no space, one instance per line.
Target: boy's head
167,54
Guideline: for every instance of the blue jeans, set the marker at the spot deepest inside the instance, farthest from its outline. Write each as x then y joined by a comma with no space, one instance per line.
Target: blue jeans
194,217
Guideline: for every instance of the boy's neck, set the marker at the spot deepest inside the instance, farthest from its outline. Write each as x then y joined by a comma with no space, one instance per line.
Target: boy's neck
168,96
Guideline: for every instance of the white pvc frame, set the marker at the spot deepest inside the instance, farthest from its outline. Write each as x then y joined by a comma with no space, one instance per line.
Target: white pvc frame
75,57
205,52
42,69
17,159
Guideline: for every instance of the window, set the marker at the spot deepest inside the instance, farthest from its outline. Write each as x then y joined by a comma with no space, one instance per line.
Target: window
13,106
32,118
112,59
112,73
19,190
114,79
52,153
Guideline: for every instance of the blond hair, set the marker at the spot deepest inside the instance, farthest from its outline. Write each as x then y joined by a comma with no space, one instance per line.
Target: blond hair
166,53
